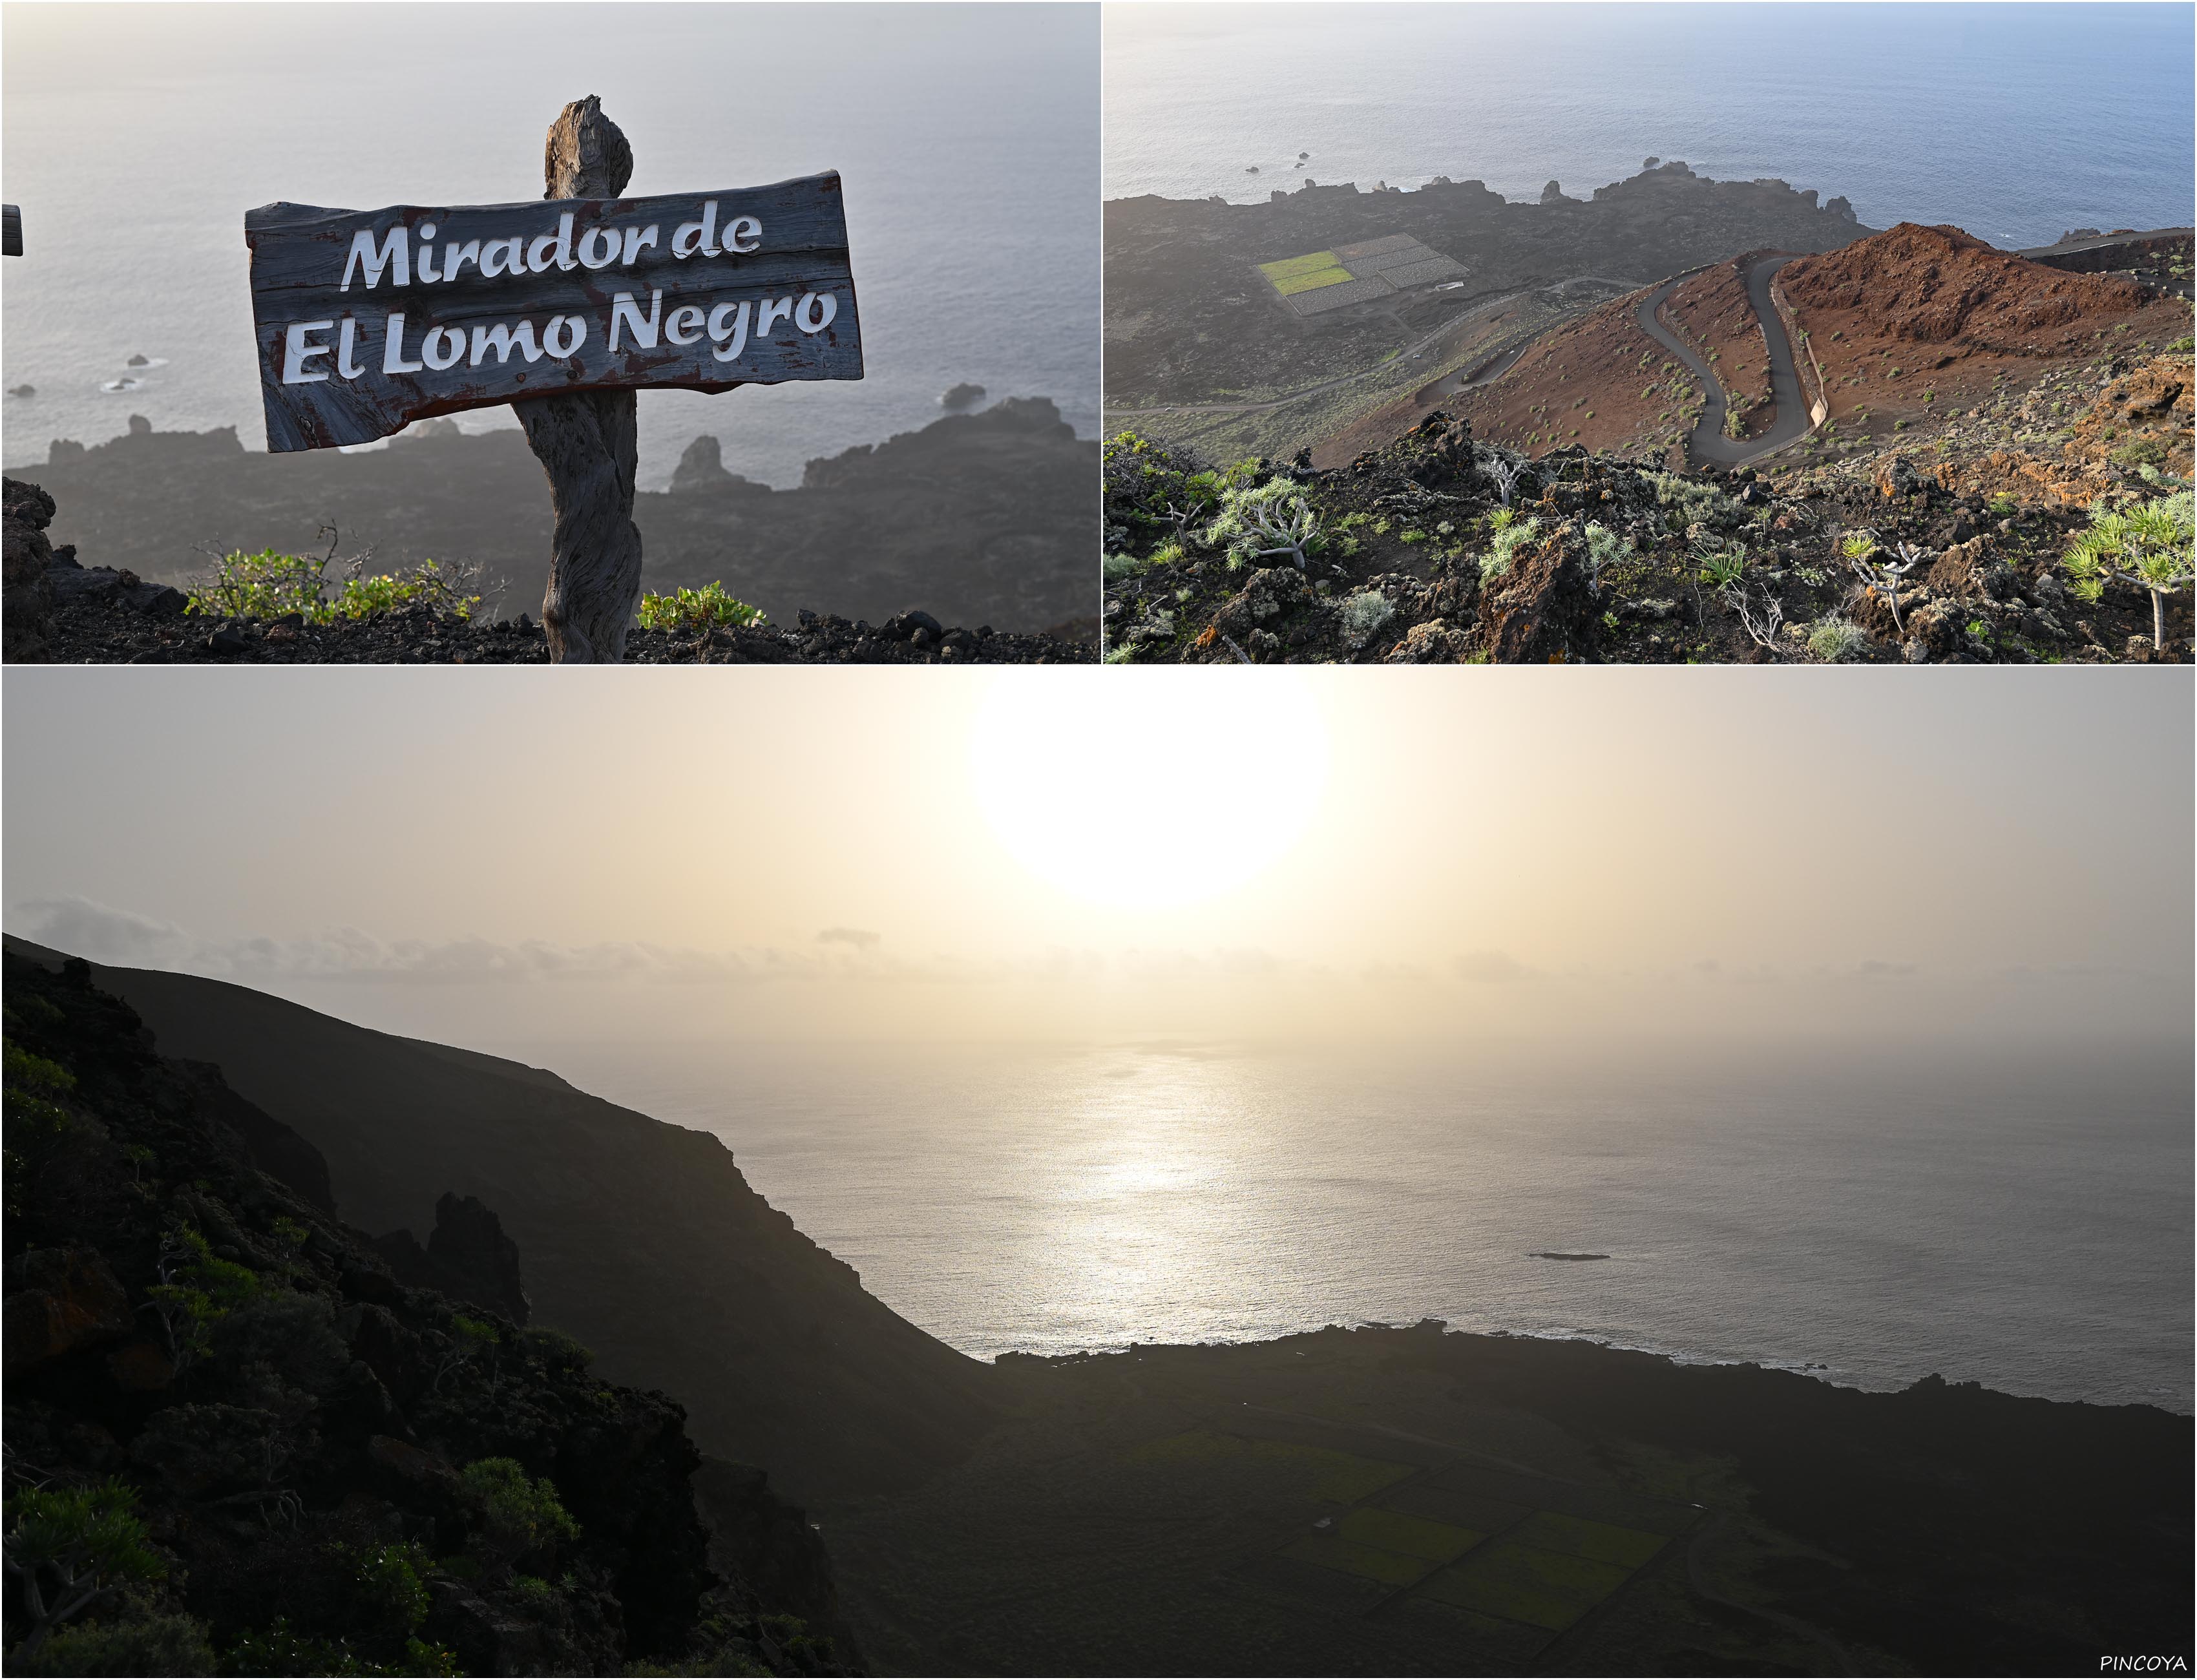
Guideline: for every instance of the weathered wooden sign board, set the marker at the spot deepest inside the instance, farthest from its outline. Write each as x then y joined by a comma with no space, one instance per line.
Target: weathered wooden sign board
368,320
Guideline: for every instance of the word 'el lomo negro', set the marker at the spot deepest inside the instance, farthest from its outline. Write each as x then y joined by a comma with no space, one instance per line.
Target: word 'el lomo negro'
369,322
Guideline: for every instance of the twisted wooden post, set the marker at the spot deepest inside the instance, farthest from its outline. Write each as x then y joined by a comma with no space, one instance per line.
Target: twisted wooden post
586,441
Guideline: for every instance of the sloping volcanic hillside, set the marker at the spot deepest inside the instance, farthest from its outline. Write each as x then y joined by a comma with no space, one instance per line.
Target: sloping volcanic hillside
1918,321
1711,312
1910,328
1939,285
1598,382
642,1239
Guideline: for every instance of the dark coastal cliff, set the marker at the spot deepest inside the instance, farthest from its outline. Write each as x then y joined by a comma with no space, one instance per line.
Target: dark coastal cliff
235,1437
642,1239
982,519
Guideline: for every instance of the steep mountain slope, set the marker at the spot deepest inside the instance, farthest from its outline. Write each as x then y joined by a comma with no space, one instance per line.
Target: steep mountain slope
642,1239
232,1432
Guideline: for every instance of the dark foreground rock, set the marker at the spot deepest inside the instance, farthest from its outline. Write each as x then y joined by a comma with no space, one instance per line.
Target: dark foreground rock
110,628
27,606
309,1465
1437,548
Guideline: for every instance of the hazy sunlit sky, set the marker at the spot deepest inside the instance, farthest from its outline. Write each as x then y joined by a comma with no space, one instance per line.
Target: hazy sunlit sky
136,137
480,857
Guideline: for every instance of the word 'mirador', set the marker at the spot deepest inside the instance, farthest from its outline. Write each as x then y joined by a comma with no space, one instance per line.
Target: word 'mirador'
603,247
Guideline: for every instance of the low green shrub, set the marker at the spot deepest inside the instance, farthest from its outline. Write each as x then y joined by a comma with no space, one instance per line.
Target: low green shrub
269,585
515,1516
708,608
153,1644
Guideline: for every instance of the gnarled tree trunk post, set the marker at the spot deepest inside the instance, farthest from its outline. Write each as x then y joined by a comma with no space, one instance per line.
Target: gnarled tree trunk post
586,441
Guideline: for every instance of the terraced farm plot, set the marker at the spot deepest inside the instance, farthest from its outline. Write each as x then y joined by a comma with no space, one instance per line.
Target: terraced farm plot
1463,1510
1526,1583
1311,280
1288,266
1359,273
1348,1557
1425,273
1413,1536
1602,1542
1335,296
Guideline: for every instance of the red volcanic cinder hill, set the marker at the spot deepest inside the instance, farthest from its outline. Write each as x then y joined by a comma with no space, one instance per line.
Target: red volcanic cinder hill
1937,286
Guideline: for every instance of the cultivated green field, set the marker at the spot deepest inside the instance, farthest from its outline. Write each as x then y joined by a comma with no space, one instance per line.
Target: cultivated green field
1297,265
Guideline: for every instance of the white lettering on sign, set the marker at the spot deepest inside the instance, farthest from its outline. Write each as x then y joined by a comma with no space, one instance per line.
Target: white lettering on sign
392,349
726,322
703,232
553,336
502,340
347,364
623,309
394,252
687,291
443,347
555,247
394,256
592,256
296,352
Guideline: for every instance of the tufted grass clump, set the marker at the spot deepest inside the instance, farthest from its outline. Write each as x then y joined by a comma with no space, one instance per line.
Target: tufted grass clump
1833,639
1510,535
711,607
1363,614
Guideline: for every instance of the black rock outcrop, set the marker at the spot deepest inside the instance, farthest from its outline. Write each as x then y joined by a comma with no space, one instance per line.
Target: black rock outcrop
292,1462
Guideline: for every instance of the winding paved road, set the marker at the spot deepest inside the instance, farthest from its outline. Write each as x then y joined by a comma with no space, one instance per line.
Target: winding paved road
1708,442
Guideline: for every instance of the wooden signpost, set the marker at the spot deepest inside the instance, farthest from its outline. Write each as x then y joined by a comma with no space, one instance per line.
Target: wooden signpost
565,307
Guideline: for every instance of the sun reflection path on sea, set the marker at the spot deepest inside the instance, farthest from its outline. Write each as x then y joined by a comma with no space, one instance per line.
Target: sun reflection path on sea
1158,1208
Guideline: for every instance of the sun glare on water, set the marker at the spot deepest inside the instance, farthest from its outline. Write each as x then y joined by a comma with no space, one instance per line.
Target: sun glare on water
1166,789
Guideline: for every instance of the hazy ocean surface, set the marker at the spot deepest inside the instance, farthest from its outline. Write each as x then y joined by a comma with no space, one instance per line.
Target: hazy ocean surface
2015,122
2019,1222
137,136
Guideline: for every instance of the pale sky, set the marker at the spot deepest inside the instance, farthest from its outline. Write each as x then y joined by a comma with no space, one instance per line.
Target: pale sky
488,856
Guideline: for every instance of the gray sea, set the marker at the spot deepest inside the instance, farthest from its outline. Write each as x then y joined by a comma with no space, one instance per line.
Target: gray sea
2019,1220
136,137
2015,122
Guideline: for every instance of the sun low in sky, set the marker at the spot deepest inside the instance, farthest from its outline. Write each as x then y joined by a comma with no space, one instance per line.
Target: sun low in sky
1063,853
1153,793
